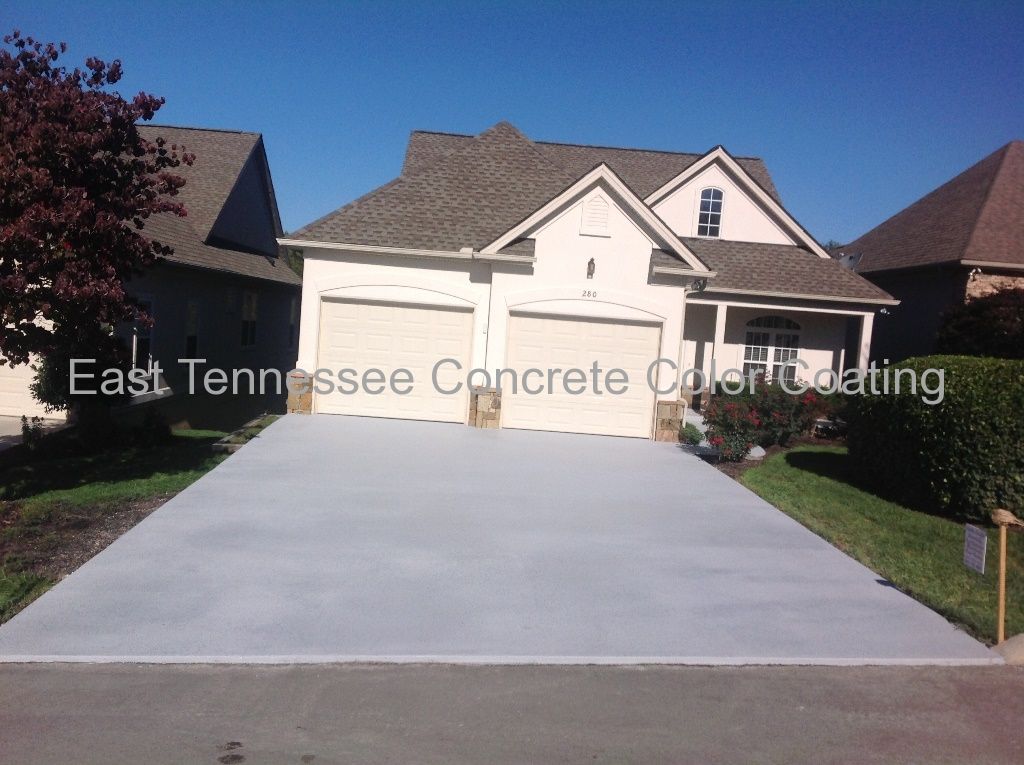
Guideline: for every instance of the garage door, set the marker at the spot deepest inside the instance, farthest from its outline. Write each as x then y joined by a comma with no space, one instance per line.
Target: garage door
558,343
389,336
15,398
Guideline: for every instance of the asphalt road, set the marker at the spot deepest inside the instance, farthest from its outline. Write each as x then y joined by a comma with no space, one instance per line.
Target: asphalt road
319,714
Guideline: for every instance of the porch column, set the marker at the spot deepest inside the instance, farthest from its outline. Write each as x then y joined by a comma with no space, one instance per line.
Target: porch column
720,316
864,344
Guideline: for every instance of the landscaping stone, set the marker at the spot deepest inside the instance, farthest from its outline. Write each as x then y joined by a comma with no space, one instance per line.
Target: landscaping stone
1012,650
755,454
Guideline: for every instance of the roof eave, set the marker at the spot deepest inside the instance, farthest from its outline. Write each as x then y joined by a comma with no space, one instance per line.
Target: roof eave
798,296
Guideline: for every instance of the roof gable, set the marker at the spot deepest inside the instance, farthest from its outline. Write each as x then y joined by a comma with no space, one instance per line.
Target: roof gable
718,156
227,185
976,216
602,177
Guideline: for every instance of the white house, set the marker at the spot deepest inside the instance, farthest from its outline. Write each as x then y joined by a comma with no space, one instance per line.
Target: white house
505,253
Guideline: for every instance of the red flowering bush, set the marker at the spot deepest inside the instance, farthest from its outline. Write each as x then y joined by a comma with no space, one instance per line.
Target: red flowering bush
733,426
784,415
769,416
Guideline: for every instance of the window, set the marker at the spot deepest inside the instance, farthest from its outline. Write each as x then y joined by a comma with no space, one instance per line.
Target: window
709,219
192,329
293,322
142,336
771,343
249,314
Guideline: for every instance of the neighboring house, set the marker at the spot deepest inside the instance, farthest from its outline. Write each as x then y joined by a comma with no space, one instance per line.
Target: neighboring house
963,240
224,295
502,252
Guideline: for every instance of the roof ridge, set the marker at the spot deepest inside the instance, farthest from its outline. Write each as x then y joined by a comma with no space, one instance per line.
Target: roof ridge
592,145
194,127
646,151
1003,151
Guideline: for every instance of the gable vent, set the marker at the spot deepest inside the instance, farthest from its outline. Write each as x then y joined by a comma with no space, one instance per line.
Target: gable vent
595,217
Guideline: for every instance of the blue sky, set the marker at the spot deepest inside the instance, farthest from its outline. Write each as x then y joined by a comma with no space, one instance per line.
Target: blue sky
858,109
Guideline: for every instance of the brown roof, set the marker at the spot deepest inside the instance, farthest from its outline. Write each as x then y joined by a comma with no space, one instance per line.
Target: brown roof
977,216
775,268
220,156
643,170
459,191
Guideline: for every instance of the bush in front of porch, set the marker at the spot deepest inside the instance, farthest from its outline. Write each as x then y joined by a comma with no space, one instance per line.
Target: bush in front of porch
769,416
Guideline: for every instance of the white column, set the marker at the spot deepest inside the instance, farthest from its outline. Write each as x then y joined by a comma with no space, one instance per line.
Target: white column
720,316
864,348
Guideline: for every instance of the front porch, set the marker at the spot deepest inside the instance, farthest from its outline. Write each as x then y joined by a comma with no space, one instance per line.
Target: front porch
725,338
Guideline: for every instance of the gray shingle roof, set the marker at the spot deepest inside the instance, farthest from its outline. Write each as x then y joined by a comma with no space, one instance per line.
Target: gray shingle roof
465,191
775,268
643,170
477,193
220,156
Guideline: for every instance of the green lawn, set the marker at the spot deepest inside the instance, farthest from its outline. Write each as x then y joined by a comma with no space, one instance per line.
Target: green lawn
920,553
45,503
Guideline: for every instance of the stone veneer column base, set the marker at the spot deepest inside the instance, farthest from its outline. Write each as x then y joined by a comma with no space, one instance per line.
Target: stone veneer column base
485,408
670,419
300,403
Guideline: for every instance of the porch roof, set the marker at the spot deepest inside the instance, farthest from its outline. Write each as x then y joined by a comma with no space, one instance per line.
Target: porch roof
776,269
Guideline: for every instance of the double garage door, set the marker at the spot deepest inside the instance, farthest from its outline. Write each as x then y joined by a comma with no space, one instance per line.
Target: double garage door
388,336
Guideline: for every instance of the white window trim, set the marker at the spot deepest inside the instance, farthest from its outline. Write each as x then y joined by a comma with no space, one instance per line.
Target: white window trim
772,346
720,213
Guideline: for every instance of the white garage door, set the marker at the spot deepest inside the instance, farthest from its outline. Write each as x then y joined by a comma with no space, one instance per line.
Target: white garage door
558,343
391,336
15,398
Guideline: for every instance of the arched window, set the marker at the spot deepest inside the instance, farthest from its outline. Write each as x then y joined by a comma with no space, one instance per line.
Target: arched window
709,219
771,343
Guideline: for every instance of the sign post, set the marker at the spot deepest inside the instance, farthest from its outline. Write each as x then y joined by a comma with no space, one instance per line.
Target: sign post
1001,627
1004,519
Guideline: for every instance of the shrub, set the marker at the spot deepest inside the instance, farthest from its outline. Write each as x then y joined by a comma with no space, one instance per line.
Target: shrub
733,426
960,458
989,326
690,434
785,415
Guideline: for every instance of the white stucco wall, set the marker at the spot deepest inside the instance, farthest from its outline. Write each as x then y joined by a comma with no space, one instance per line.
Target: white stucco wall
742,219
557,284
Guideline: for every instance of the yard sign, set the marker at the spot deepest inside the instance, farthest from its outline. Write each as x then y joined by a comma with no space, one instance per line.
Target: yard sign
975,542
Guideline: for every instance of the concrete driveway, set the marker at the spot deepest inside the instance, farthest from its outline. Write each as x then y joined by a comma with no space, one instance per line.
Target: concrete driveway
348,539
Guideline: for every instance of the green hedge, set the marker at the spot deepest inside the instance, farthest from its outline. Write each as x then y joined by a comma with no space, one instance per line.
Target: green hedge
960,458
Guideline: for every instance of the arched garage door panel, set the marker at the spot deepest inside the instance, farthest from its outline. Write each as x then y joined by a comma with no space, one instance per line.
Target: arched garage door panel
389,336
546,342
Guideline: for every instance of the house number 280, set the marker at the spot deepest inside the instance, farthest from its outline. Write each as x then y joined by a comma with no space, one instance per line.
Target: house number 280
590,293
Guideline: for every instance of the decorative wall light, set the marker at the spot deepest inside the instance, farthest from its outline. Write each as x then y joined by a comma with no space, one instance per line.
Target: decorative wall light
590,269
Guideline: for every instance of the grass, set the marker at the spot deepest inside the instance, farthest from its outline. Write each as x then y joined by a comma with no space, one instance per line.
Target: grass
245,435
45,503
921,554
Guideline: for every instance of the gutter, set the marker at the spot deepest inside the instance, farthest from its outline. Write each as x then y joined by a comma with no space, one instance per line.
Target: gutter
466,253
795,296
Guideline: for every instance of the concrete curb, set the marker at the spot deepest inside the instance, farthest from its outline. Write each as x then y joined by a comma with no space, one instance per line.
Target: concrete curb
699,661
